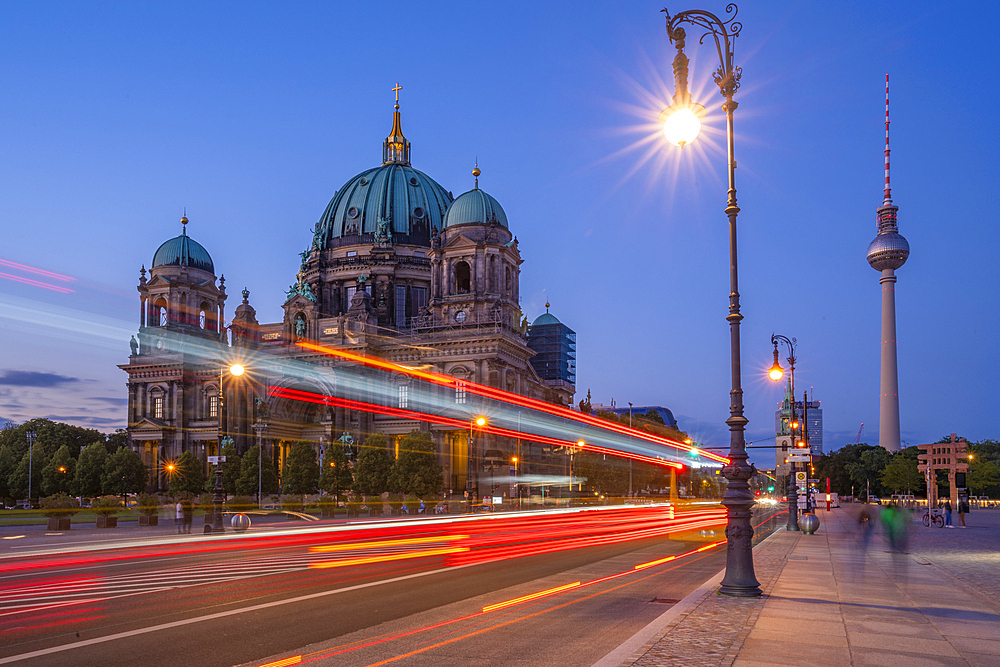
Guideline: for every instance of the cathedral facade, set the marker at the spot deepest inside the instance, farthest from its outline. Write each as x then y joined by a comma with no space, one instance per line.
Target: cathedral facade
397,269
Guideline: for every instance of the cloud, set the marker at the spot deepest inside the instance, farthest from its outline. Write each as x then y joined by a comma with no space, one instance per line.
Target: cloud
89,421
33,379
110,399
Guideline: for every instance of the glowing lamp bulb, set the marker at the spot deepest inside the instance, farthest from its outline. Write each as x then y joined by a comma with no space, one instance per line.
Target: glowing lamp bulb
63,468
580,443
513,459
682,125
480,421
237,370
776,372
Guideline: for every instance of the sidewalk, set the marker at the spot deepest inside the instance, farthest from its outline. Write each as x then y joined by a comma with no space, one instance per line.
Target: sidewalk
827,602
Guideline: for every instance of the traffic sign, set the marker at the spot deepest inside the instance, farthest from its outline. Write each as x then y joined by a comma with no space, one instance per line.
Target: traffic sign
814,481
216,459
800,477
799,458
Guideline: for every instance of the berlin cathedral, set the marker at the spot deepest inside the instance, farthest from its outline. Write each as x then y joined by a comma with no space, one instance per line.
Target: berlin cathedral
397,269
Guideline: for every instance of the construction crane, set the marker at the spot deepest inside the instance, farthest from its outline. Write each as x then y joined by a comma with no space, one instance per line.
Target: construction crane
858,439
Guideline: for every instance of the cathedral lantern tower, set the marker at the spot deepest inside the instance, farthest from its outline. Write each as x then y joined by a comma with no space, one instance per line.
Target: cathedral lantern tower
172,391
887,253
475,262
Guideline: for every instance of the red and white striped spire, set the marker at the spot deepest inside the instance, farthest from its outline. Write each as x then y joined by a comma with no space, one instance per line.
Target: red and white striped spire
888,190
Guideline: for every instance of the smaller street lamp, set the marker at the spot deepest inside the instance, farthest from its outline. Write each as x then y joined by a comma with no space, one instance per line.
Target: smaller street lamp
30,436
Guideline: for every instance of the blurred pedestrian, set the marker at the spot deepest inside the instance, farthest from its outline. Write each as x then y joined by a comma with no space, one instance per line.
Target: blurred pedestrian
179,518
895,527
188,512
947,514
963,508
866,525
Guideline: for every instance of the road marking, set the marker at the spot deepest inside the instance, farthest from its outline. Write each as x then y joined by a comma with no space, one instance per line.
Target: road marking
221,614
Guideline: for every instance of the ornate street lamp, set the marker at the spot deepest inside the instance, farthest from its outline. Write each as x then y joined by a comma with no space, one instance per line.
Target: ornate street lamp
776,370
30,436
681,124
236,370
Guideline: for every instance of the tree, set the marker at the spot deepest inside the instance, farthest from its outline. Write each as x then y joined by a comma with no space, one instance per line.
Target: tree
982,474
653,416
301,472
417,470
868,468
117,440
187,475
8,461
124,473
50,437
230,469
89,468
59,473
336,475
246,483
371,472
607,475
17,481
901,474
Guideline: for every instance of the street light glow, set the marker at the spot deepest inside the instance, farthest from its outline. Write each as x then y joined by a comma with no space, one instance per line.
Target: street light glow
776,373
237,370
681,125
480,421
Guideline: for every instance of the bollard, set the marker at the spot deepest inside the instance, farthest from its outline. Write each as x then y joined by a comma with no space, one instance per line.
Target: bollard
240,522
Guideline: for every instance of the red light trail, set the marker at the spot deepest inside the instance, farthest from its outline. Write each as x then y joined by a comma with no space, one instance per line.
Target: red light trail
508,397
310,397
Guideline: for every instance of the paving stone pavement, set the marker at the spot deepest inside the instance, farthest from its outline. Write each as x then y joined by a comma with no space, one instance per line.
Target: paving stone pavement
829,602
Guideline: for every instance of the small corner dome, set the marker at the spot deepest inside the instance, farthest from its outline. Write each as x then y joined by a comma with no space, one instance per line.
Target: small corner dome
545,318
183,251
475,207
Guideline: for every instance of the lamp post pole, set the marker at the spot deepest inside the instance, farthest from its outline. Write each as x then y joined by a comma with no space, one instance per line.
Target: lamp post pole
739,579
259,427
30,436
219,498
775,373
630,460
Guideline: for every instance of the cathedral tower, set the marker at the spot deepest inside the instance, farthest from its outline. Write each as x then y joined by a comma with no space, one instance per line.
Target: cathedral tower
887,253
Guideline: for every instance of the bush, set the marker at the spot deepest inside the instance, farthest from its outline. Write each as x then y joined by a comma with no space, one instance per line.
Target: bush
148,504
396,501
106,505
206,502
412,503
242,503
60,505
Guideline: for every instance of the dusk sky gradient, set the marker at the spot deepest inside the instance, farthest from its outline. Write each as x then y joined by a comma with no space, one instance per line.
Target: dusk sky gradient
117,116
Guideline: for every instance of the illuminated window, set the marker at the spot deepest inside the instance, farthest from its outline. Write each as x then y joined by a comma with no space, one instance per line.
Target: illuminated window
201,319
213,406
460,392
162,316
404,392
157,407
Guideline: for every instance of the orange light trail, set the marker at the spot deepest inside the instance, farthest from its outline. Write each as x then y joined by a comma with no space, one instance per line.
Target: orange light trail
507,397
284,663
326,548
533,596
387,558
310,397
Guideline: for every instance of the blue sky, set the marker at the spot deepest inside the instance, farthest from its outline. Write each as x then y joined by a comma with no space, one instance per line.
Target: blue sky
116,116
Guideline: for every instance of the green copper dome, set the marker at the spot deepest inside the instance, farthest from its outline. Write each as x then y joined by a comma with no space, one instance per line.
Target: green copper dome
410,200
183,251
475,207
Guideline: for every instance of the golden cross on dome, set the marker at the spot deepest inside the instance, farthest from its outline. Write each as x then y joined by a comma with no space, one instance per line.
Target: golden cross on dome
397,89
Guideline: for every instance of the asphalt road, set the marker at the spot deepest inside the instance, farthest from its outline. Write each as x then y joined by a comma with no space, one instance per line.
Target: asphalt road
389,593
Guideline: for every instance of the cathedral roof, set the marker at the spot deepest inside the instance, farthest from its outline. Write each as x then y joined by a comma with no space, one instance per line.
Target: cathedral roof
409,199
183,251
475,207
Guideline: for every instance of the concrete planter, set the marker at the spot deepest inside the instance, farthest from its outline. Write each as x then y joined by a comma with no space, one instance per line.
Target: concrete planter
59,523
149,520
107,522
326,514
374,512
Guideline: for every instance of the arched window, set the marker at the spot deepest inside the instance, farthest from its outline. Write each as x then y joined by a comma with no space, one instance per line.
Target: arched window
160,313
492,287
203,316
463,278
507,282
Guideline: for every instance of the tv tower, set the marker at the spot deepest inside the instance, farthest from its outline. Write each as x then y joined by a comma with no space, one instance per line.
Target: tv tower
887,253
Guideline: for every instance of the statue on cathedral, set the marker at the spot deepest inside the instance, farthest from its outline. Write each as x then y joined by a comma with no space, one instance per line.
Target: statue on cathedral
300,326
318,236
524,326
346,439
134,344
383,234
